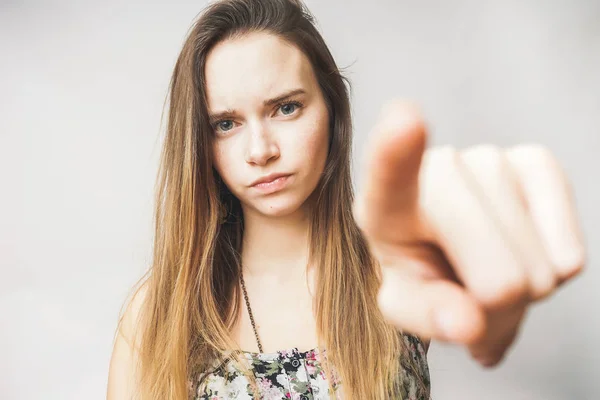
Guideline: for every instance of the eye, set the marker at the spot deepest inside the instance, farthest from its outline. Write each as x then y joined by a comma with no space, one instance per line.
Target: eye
289,107
224,125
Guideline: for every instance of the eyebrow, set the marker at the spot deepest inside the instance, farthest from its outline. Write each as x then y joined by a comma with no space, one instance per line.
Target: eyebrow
229,112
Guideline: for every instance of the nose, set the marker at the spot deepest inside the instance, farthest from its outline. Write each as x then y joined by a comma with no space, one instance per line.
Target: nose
262,145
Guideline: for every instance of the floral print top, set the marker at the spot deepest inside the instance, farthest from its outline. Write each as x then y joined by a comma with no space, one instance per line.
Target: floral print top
297,375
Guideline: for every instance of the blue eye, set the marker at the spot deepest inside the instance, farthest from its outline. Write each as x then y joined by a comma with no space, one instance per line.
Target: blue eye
289,107
225,125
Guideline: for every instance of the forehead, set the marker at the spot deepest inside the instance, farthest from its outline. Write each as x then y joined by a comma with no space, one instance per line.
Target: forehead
252,68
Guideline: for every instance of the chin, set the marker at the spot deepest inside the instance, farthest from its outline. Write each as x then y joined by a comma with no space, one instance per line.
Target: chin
279,208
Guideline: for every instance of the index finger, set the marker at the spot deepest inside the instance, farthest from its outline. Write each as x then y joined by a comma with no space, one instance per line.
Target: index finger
387,207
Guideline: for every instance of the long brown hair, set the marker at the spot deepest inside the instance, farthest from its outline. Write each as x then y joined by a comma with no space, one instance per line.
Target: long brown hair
191,290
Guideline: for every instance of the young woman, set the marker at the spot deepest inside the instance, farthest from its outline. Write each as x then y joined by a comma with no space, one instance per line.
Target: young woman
268,279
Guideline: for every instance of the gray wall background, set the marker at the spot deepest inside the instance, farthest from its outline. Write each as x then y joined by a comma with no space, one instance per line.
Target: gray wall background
82,85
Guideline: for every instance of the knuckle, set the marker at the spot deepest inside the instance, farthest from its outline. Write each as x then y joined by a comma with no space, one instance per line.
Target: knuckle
485,148
439,167
442,154
486,158
440,163
535,154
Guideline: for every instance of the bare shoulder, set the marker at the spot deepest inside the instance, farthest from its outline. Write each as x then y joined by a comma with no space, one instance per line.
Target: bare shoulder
129,322
123,362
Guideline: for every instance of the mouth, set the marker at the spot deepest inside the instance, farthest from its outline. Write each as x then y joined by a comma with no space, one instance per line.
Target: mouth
272,183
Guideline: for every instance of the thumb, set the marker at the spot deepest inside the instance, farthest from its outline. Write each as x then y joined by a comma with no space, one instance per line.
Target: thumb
430,308
387,207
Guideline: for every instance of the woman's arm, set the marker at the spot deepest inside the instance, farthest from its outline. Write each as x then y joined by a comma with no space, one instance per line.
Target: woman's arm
123,363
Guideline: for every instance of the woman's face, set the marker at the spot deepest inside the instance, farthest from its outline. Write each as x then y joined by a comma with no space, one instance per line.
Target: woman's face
269,117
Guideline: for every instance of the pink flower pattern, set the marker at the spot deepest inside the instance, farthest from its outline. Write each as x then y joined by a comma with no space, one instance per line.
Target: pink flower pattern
295,375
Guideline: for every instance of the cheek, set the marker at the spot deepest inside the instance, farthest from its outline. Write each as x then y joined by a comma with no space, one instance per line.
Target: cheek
315,143
223,164
314,150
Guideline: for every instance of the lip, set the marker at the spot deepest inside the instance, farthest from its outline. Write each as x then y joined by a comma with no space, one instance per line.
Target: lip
271,183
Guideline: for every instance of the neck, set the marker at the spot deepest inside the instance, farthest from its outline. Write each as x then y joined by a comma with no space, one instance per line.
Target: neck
275,245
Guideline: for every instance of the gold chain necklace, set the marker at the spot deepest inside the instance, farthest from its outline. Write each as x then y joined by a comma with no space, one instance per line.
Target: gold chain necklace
260,348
